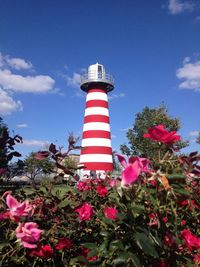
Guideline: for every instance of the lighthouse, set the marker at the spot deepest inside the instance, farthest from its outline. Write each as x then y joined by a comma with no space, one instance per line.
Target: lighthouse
96,152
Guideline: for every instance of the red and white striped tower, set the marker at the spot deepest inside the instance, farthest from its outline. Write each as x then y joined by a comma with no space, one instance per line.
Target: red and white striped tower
96,153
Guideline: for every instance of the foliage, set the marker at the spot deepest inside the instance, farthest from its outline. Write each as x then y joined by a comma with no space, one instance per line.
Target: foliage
144,120
7,151
60,158
151,220
34,168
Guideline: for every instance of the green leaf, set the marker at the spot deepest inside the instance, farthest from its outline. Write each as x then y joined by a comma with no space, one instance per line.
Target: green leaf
90,245
119,191
104,233
116,244
137,209
64,203
155,239
145,244
134,259
3,245
122,258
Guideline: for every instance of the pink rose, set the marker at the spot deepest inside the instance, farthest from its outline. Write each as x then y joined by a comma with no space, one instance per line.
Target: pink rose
85,212
102,191
110,213
19,209
191,241
132,170
29,234
160,134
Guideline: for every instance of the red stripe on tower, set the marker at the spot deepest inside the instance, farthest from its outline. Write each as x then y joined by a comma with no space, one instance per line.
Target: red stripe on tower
96,153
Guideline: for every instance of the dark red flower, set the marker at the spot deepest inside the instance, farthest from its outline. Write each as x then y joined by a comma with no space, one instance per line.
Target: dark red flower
102,191
161,263
160,134
196,258
83,185
164,219
190,203
110,213
64,244
153,219
85,212
84,252
183,222
41,251
5,215
168,239
191,241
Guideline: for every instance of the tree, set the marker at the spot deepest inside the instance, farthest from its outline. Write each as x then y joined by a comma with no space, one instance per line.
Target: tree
150,117
7,151
34,168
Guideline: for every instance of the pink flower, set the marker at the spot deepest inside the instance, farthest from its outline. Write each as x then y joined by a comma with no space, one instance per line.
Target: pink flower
133,169
63,244
160,134
110,213
112,182
85,212
196,258
191,241
19,209
44,252
29,234
153,219
183,222
102,191
164,219
83,185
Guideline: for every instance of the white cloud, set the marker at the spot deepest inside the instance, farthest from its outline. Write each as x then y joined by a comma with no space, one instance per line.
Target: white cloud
125,129
15,63
28,84
190,74
113,136
37,143
19,63
8,104
1,60
194,133
179,6
113,96
22,125
74,81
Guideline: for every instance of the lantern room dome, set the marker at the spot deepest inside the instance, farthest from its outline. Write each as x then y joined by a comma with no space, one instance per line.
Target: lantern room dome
96,74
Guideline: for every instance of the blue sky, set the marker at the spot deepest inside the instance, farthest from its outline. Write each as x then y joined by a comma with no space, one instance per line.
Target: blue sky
152,48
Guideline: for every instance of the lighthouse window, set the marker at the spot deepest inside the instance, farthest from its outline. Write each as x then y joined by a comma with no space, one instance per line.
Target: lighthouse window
99,71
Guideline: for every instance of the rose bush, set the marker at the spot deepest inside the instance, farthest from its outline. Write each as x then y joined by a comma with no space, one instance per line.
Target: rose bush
146,217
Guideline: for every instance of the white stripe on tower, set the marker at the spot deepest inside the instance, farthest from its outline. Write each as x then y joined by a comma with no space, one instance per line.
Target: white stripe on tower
96,141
